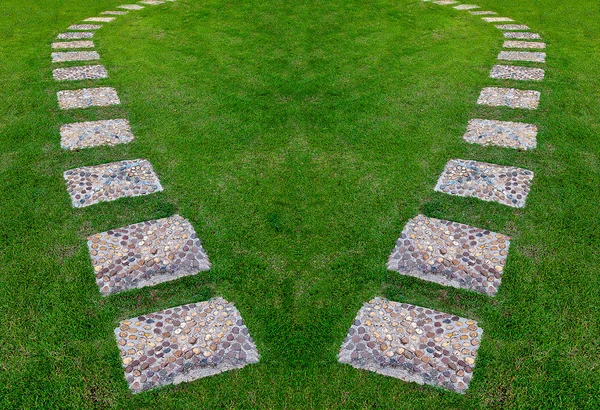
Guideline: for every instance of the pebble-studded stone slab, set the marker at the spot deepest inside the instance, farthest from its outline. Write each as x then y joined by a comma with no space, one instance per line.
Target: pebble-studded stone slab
62,56
73,44
482,13
100,19
525,35
152,2
467,7
88,134
509,97
509,72
184,343
534,56
488,182
524,44
108,182
451,254
445,2
496,19
114,13
86,72
87,97
145,254
506,134
512,27
75,35
412,343
130,7
84,27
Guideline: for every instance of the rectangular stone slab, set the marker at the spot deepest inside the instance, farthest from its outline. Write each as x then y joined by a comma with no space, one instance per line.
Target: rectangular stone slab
152,2
488,182
73,44
63,56
509,97
445,2
496,19
413,343
184,343
108,182
75,35
482,13
100,19
88,134
87,97
512,27
467,7
86,72
525,35
84,27
533,56
509,72
114,13
145,254
451,254
130,7
506,134
523,44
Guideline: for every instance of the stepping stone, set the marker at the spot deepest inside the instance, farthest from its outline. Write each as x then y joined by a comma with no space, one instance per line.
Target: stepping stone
84,27
512,27
130,7
445,2
496,19
509,72
523,44
75,35
152,2
482,13
537,57
73,44
184,343
87,97
108,182
466,7
488,182
509,97
115,13
100,19
146,254
95,133
506,134
86,72
412,343
522,35
451,254
74,56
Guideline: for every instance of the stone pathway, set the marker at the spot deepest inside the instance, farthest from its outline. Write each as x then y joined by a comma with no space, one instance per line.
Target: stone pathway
523,44
145,254
63,56
88,72
533,56
506,134
184,343
509,97
95,133
508,72
413,343
73,44
87,97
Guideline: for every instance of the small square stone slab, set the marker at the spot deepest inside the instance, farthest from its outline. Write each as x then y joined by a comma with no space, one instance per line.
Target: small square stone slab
86,72
100,19
509,97
145,254
509,72
87,97
451,254
506,134
482,13
512,27
130,7
467,7
523,44
114,13
62,56
534,56
412,343
95,133
73,44
525,35
84,27
184,343
75,35
496,19
108,182
488,182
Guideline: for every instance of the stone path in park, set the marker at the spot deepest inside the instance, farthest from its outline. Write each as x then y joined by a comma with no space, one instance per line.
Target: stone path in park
419,344
178,344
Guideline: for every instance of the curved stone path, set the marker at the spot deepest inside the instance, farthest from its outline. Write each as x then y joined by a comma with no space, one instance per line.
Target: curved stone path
182,343
419,344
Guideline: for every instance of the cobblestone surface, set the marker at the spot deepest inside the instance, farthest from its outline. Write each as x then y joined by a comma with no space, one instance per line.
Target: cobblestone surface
87,72
467,7
534,56
412,343
523,44
496,19
522,35
509,97
145,254
130,7
95,133
75,35
445,2
62,56
512,27
108,182
482,13
507,134
152,2
73,44
114,13
100,19
84,27
509,72
184,343
488,182
87,97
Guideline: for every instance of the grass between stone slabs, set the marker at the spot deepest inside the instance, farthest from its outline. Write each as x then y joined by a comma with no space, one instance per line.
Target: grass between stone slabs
299,138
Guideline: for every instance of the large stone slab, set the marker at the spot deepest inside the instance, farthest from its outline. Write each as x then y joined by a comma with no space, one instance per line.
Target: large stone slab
184,343
88,134
100,19
108,182
114,13
145,254
85,27
73,44
509,97
63,56
524,35
488,182
451,254
75,35
509,72
523,44
87,97
414,344
533,56
506,134
496,19
512,27
86,72
482,13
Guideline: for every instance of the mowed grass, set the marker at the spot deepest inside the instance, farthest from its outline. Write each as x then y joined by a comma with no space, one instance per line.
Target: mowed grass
298,138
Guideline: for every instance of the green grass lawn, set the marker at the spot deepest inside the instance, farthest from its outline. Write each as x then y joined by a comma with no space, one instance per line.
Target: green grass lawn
298,137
